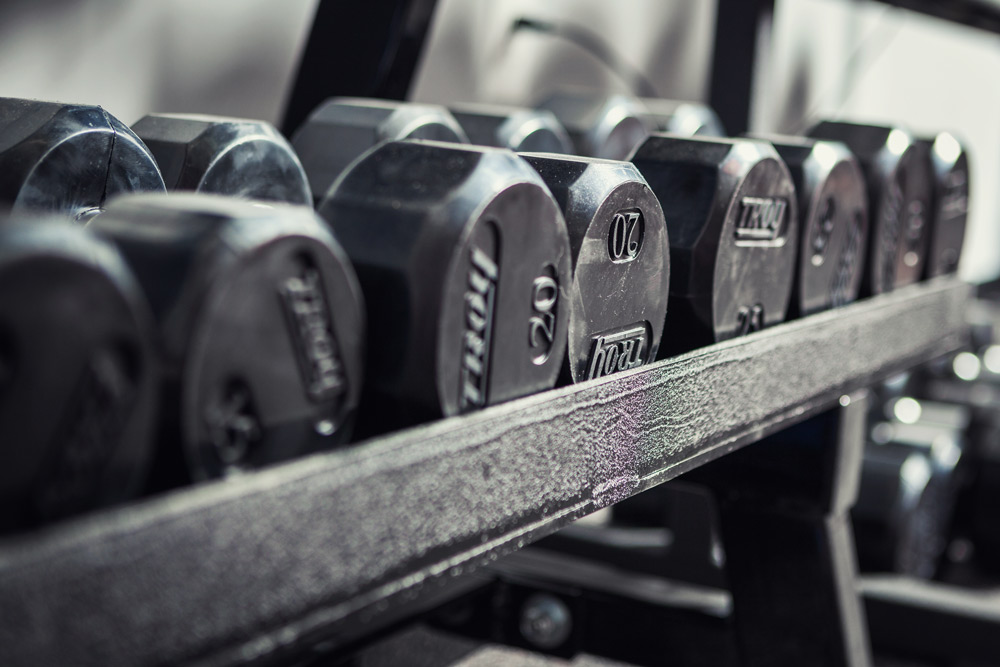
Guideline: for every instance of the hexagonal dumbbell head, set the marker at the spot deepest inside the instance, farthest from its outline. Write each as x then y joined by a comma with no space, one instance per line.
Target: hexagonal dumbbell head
950,203
833,222
227,156
342,128
260,326
69,158
464,261
902,519
604,126
512,127
77,380
621,262
732,215
898,176
687,119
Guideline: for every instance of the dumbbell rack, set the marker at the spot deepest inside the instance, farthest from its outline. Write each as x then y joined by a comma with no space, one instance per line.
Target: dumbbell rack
339,545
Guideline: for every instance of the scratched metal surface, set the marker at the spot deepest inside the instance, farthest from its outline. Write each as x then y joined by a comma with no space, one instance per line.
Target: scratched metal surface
328,546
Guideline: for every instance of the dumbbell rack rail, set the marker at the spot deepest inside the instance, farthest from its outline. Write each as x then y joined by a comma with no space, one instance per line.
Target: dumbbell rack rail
336,545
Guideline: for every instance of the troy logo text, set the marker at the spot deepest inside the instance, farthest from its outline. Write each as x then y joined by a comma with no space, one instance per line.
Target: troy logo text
480,304
617,351
312,329
762,219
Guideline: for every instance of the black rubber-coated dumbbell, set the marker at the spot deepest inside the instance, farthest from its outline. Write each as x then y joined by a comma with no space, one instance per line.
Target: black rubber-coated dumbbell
227,156
897,173
979,510
906,495
950,203
604,126
464,261
833,222
686,119
621,263
342,128
512,127
733,221
260,327
69,158
77,383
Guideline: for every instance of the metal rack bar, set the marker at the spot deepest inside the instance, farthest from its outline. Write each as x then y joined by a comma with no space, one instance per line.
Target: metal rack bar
931,620
739,25
361,49
329,546
784,516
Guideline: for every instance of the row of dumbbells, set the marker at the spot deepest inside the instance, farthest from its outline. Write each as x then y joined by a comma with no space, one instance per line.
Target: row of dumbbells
195,336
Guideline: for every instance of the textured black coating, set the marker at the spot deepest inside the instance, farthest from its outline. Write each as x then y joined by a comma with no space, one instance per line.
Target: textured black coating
69,159
604,126
833,222
898,176
950,203
342,128
621,263
686,119
324,546
260,327
515,128
464,261
227,156
78,390
904,511
733,221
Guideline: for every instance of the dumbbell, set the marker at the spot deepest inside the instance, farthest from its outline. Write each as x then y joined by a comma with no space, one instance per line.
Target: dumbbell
970,382
732,217
464,262
77,383
897,173
981,507
833,222
227,156
342,128
950,203
512,127
603,126
621,263
907,491
687,119
69,158
260,328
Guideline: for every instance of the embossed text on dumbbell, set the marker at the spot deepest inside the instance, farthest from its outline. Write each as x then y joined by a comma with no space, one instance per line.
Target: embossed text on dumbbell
312,331
480,304
625,239
542,324
761,219
617,351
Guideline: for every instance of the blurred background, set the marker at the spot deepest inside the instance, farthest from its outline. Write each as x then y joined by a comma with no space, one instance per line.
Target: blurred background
852,59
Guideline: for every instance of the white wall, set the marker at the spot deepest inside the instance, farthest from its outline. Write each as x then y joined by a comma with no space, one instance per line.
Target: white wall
233,57
868,61
475,56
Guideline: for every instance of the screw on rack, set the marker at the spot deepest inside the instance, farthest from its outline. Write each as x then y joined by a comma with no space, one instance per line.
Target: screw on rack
545,621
